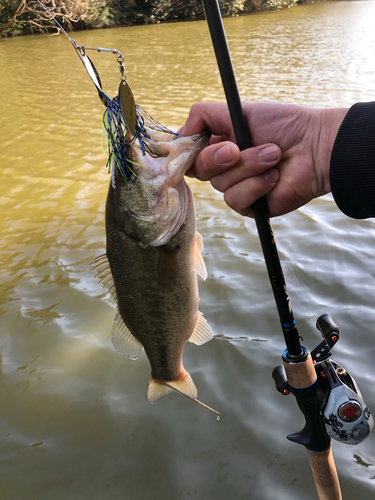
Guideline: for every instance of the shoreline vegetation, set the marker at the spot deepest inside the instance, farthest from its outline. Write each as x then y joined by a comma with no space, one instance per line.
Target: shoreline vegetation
24,17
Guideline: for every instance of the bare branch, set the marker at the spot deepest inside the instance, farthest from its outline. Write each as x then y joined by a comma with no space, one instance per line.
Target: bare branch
67,13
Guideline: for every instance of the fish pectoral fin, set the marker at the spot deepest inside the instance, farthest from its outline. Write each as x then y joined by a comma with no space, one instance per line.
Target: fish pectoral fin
199,265
202,332
199,241
123,340
102,270
157,388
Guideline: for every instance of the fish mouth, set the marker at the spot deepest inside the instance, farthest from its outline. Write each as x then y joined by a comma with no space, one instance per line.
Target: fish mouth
161,144
158,199
168,155
203,136
201,139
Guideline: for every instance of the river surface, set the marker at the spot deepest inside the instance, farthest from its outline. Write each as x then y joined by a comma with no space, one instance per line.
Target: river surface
75,422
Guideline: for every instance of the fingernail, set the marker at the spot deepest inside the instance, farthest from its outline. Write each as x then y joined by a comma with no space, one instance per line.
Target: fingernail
223,155
272,176
268,154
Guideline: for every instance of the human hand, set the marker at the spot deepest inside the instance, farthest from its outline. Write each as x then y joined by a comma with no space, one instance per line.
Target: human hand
289,163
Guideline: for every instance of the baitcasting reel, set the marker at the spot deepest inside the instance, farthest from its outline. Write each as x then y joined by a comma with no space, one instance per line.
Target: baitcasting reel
346,417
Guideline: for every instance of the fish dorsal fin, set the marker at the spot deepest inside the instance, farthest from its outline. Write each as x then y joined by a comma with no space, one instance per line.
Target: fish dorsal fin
157,389
199,265
123,340
202,332
102,270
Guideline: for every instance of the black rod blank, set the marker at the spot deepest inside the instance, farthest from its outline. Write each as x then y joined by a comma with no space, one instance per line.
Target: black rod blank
243,138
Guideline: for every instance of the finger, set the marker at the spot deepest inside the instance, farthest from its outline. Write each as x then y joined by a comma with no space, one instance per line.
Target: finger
215,159
253,161
241,196
212,115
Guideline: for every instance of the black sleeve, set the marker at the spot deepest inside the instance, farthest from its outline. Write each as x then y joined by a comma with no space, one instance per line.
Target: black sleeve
352,170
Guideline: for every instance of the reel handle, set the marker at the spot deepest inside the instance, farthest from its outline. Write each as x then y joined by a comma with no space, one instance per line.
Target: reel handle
326,325
330,333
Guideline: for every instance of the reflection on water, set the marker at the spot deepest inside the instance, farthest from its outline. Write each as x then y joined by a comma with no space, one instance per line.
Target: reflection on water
75,418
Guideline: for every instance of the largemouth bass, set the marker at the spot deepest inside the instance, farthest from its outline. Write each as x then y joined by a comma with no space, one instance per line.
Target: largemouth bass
153,256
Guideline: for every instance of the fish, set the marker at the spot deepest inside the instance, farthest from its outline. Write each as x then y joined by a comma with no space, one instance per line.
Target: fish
153,256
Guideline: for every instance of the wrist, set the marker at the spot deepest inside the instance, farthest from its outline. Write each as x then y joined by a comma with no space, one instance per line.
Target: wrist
329,122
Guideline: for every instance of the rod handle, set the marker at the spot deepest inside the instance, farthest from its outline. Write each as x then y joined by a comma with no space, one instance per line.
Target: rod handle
302,376
325,474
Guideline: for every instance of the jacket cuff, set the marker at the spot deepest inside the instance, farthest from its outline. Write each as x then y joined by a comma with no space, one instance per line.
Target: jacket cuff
352,167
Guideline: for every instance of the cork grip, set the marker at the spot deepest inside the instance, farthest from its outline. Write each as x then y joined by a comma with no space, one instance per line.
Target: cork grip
300,375
325,474
323,467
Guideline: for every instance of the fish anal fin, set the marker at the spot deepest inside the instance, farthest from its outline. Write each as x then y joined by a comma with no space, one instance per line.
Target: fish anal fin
123,340
102,270
199,265
157,388
202,332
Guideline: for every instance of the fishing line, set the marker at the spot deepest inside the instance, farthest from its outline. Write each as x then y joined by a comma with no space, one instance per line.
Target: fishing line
302,288
55,20
79,48
125,123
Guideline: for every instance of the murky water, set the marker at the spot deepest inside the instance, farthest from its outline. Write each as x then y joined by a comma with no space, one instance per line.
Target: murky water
75,422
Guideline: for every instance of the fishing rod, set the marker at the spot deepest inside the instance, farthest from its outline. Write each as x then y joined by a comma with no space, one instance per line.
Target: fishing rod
326,394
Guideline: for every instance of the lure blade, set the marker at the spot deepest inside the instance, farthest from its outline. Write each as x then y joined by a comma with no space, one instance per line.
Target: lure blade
94,75
127,105
92,72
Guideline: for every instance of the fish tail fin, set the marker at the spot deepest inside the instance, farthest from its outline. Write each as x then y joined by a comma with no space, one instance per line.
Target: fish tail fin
185,385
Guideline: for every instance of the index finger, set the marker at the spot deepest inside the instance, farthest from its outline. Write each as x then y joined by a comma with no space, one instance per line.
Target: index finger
212,115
